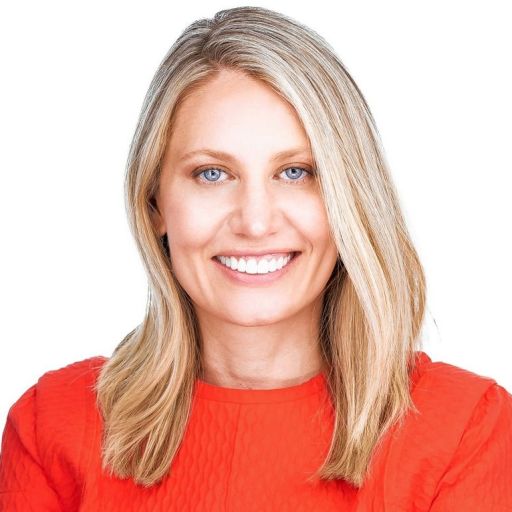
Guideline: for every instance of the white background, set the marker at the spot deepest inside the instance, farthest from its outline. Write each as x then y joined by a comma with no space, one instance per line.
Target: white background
436,76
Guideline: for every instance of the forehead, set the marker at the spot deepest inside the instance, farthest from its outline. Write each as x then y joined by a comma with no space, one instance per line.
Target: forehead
235,111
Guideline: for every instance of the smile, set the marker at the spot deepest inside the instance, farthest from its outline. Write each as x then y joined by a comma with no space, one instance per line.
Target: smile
255,272
252,265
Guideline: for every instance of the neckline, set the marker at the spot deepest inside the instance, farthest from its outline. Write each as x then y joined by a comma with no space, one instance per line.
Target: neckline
311,386
209,391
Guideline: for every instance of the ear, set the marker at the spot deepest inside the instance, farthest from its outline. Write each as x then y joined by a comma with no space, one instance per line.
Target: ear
156,217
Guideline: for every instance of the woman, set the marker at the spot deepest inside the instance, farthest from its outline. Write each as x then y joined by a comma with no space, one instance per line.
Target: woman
278,364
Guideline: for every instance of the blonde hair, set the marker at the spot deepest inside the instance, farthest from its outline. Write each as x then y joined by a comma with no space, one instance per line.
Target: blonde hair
375,298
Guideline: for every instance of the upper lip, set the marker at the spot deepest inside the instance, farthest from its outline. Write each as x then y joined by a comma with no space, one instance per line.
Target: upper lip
252,252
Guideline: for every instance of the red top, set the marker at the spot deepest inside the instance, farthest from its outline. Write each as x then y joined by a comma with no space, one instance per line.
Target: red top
251,450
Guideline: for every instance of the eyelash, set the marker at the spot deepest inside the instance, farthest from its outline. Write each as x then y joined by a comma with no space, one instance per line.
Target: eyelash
196,175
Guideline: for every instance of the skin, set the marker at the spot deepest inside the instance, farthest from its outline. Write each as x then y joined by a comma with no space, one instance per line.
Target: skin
255,337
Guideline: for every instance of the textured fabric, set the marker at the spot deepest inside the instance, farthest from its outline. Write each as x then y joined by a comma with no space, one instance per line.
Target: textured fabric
252,450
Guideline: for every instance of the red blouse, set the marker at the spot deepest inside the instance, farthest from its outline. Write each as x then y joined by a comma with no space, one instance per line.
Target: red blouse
250,450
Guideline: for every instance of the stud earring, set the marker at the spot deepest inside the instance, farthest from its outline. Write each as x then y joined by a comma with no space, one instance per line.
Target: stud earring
165,244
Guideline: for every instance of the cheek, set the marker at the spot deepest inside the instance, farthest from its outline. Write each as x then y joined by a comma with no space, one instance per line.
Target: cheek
311,218
190,222
314,226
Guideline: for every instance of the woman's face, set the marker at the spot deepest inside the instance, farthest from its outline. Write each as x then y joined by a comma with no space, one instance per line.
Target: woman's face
237,180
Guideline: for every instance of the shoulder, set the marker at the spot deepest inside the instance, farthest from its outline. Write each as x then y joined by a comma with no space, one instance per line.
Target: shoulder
459,413
50,437
70,378
453,401
464,436
59,408
449,397
440,385
65,394
53,388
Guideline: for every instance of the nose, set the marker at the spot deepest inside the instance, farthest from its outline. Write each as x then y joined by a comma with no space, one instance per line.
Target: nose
255,214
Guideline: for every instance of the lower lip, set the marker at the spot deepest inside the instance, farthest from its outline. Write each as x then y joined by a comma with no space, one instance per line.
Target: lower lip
257,279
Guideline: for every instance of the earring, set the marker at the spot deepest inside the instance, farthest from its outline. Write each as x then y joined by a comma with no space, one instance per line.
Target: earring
165,244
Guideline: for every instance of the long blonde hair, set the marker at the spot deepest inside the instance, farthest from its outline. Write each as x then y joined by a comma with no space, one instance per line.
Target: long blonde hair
375,298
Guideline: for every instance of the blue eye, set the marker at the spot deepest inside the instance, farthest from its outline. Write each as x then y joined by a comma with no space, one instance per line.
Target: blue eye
295,174
212,174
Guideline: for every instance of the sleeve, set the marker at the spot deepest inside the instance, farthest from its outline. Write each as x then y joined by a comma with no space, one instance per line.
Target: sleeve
479,477
23,483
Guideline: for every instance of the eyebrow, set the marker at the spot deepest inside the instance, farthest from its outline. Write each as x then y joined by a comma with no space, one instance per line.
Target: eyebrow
229,157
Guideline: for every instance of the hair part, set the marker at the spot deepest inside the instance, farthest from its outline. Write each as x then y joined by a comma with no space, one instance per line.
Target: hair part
374,301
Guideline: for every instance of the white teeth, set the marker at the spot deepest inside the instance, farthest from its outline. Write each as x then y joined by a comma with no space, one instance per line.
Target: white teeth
253,266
